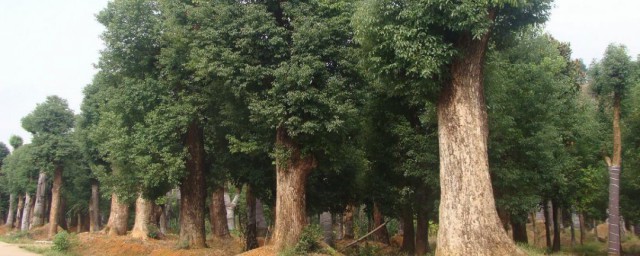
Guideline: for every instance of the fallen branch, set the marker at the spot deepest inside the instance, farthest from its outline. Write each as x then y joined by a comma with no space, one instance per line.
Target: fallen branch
368,234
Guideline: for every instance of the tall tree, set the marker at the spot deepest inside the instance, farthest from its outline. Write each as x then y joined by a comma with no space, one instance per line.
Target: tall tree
51,124
611,79
443,44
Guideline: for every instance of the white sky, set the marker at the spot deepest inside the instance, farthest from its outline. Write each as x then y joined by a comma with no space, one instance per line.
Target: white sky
49,47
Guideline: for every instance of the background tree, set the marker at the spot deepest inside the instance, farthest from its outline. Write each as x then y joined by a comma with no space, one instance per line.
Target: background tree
51,124
611,79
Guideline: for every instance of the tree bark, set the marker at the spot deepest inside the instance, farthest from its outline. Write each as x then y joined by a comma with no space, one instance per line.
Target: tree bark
573,231
39,208
193,191
547,230
251,240
469,223
62,209
218,214
519,229
382,235
614,181
143,212
291,175
348,222
11,211
18,221
408,238
261,222
556,227
118,217
326,222
55,201
94,208
230,205
25,212
535,229
163,220
582,228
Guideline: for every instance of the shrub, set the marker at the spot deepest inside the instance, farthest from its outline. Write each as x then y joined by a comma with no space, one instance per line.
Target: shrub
62,241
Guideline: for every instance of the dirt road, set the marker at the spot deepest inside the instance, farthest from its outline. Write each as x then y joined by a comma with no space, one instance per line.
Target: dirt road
13,250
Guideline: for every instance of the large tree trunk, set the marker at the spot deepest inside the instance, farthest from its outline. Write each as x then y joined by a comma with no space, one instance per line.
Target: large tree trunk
218,214
291,174
55,201
25,212
39,208
348,222
614,181
519,229
326,222
534,228
193,191
408,238
382,235
163,220
11,211
251,240
556,227
62,209
469,223
143,212
18,221
94,208
118,217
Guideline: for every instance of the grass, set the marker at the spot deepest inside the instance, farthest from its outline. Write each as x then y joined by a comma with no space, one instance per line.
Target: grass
46,250
20,237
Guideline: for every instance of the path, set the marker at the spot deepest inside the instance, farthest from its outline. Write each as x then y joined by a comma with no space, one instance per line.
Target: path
13,250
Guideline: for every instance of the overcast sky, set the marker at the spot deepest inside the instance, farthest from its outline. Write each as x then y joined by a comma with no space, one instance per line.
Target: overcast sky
49,47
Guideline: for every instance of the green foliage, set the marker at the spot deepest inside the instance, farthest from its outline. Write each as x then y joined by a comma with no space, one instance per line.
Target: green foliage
154,231
19,171
4,152
613,73
63,241
16,237
308,240
15,141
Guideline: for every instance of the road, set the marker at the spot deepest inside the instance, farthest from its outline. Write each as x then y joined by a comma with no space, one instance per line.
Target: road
13,250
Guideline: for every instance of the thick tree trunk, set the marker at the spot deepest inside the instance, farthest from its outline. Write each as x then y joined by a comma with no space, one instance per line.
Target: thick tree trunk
11,211
25,213
382,235
573,232
143,212
94,208
39,208
348,222
326,222
251,239
519,229
230,205
218,214
193,192
556,227
291,175
18,221
62,209
408,238
55,201
469,223
614,181
547,230
118,217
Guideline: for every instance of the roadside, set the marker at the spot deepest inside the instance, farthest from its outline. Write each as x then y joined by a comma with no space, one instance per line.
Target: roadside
14,250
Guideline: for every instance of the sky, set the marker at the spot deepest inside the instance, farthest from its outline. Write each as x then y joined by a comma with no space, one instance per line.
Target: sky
49,47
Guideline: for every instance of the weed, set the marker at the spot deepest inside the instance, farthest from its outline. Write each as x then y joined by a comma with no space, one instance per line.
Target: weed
63,241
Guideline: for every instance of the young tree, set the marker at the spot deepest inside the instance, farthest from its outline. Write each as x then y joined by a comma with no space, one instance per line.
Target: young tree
611,79
51,125
444,43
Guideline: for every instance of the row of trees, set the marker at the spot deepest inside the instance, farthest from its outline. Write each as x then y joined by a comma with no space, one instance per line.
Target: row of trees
375,102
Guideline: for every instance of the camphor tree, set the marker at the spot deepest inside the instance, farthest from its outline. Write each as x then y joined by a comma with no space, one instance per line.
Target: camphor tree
51,124
442,44
292,62
611,79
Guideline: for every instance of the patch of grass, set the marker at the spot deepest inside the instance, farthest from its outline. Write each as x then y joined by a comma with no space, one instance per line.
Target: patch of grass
531,250
46,250
589,249
19,237
63,241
